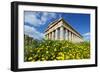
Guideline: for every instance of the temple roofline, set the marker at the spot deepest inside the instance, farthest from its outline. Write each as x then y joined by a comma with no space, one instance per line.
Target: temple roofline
56,21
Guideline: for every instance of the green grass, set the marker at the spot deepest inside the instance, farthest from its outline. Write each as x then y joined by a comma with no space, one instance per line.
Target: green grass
49,50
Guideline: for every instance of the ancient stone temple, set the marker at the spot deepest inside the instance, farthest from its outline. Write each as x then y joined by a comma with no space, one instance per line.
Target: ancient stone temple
61,30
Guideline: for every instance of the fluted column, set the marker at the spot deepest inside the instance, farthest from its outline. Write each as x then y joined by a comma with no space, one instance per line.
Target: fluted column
56,34
75,38
69,36
78,39
47,36
72,37
61,33
52,35
66,34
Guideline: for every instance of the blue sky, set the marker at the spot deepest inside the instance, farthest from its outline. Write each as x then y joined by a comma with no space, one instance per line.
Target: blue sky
36,22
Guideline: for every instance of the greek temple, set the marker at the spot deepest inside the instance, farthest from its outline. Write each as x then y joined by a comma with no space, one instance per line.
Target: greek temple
61,30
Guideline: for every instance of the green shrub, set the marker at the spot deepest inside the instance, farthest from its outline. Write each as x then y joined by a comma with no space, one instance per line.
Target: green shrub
48,50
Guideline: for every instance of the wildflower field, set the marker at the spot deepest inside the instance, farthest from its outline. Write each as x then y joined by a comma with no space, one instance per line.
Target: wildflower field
49,50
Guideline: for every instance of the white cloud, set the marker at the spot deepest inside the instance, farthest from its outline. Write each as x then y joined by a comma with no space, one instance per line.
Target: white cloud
86,36
32,19
32,32
38,18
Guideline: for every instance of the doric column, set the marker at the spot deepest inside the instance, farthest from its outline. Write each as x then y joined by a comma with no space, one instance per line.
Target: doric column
78,39
75,38
47,36
69,36
61,33
72,37
52,35
56,34
66,34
